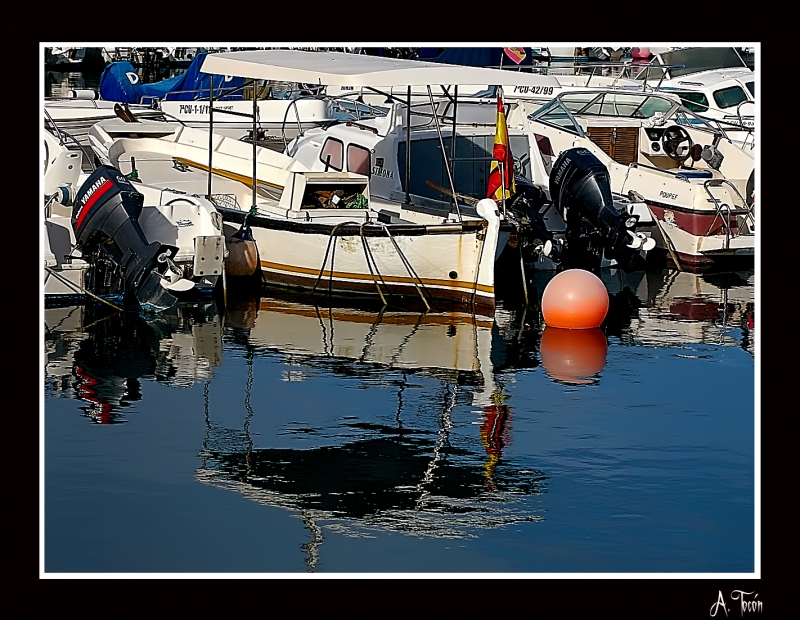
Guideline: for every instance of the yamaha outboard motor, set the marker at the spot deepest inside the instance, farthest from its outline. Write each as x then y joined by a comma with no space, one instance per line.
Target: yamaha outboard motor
107,231
581,192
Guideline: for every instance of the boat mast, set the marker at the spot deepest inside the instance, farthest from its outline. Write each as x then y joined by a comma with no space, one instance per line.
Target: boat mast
255,120
408,144
444,153
210,130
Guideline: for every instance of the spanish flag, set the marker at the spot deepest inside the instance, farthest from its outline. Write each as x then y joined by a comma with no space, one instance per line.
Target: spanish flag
501,153
517,54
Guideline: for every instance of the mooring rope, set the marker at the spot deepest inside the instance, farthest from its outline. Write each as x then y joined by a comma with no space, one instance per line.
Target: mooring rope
407,265
325,258
367,256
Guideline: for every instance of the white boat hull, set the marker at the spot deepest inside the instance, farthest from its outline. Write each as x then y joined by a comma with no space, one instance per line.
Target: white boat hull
436,265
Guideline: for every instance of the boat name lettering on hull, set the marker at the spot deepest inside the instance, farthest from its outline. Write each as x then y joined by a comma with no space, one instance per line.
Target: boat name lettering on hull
380,172
669,195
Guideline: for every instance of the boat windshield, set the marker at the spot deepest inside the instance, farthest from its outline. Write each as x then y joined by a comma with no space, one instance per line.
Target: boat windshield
554,113
616,104
562,110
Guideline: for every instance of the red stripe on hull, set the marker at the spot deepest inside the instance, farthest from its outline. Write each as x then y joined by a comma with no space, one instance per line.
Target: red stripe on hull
698,224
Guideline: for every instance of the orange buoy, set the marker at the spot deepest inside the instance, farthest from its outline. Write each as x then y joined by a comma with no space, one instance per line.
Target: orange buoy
573,356
575,299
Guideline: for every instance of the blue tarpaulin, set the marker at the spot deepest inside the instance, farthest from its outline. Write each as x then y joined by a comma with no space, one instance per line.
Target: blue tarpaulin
121,82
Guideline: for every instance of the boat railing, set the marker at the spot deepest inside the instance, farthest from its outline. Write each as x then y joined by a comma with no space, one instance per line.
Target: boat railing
739,111
725,211
645,70
200,93
627,69
359,105
237,92
64,137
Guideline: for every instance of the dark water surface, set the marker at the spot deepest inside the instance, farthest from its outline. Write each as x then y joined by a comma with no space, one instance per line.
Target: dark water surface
286,435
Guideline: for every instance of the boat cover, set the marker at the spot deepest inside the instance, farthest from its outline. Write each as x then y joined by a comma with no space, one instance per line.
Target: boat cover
483,57
121,82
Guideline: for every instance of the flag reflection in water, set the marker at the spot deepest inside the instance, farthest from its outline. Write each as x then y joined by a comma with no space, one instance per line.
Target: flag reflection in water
495,435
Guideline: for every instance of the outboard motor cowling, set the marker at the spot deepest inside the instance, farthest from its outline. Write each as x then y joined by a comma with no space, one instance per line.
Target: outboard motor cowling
105,220
580,190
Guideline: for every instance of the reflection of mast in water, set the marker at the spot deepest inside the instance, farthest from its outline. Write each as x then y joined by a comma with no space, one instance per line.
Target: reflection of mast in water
311,547
445,424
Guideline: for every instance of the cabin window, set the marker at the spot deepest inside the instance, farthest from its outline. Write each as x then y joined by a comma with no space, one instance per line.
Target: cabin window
358,159
332,154
696,102
546,149
470,172
553,114
729,97
751,86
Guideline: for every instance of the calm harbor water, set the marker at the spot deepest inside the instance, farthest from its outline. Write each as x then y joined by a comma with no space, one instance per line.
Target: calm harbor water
287,434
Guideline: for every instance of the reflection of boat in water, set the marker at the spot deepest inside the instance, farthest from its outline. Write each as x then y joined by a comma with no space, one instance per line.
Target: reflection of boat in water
677,308
100,358
433,467
447,345
712,309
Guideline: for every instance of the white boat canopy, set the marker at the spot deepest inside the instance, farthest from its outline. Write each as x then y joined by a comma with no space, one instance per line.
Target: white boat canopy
358,70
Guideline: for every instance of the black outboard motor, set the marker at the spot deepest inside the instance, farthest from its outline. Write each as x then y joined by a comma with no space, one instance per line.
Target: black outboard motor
107,231
525,207
581,192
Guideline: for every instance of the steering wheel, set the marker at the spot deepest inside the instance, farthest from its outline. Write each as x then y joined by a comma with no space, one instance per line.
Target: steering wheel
677,143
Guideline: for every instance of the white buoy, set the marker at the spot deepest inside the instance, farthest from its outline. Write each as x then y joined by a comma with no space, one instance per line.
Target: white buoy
84,93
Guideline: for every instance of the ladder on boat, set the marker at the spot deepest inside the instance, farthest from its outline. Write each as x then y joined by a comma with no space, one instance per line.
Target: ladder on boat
744,214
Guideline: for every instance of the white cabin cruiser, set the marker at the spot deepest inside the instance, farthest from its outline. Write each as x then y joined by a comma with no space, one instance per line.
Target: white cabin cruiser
698,184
